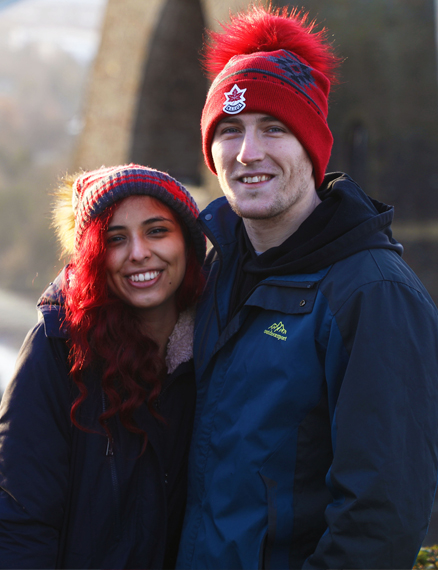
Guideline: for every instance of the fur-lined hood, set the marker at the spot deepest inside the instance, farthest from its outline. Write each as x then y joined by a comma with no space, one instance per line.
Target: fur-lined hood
180,345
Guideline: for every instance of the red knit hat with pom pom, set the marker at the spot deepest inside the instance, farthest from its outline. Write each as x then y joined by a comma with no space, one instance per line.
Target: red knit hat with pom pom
266,61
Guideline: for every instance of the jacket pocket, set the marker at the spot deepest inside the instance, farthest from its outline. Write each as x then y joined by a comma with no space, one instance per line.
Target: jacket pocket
292,298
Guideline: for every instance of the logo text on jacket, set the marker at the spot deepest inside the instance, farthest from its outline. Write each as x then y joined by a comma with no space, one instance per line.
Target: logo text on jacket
277,330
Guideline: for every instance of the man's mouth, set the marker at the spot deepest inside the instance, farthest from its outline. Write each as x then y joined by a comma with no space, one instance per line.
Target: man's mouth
148,276
256,179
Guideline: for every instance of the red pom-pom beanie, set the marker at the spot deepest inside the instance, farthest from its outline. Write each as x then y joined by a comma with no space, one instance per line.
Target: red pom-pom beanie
284,71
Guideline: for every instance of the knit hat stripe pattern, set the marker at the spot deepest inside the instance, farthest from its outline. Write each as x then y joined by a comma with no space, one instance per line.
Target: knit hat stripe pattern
95,191
275,75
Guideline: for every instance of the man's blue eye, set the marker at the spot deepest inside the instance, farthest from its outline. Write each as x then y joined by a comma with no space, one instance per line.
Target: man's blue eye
229,130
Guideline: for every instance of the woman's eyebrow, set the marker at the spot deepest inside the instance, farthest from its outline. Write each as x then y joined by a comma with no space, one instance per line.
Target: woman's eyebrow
158,219
144,223
115,228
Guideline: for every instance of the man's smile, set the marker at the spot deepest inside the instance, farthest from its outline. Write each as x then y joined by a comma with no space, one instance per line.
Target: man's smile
255,179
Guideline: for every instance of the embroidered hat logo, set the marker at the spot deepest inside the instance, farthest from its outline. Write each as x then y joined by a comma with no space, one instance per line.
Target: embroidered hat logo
234,100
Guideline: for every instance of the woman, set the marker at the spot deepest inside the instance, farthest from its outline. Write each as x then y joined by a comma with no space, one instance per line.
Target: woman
95,425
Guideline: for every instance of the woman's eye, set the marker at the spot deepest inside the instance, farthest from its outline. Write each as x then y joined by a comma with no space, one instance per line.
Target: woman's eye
158,231
112,240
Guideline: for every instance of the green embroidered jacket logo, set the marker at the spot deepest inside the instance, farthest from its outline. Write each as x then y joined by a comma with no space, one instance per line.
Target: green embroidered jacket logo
277,330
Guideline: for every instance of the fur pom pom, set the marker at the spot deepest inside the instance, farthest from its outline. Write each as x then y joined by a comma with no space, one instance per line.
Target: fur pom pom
63,219
270,29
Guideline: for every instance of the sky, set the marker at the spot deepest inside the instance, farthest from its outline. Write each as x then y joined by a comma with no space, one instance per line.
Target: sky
72,25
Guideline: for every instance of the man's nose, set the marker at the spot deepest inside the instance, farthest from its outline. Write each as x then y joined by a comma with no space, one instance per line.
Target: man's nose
251,149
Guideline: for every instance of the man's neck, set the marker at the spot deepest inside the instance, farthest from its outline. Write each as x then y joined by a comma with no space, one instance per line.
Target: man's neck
272,232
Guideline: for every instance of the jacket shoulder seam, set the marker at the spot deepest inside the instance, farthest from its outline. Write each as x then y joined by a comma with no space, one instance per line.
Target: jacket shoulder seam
364,284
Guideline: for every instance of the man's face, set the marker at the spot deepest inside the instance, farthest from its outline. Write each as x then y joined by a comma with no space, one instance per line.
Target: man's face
263,170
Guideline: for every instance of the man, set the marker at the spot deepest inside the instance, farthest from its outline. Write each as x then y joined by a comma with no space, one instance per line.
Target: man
315,437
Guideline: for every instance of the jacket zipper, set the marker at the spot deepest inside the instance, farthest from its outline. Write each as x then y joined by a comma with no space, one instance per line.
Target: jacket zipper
218,251
115,483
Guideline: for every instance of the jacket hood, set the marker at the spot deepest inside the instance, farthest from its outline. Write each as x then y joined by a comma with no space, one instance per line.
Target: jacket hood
347,221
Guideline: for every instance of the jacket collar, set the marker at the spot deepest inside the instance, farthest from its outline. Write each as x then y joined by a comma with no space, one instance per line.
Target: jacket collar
219,222
350,222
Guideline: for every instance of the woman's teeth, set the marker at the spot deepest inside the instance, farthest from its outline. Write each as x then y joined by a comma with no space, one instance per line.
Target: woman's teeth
148,276
255,179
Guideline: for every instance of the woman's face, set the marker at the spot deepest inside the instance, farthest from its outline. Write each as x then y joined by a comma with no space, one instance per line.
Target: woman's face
146,254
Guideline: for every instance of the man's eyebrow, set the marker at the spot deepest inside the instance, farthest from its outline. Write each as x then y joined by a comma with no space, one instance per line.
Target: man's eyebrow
144,223
268,119
238,120
230,120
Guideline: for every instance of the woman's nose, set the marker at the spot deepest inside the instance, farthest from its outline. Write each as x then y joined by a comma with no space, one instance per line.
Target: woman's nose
140,249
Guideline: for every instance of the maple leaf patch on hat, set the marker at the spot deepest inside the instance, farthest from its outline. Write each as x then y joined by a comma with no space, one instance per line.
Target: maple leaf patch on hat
234,100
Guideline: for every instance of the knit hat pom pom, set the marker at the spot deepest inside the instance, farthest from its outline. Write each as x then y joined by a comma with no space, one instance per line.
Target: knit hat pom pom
63,218
270,29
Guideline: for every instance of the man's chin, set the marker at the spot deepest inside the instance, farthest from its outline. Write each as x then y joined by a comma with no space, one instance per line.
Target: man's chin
252,212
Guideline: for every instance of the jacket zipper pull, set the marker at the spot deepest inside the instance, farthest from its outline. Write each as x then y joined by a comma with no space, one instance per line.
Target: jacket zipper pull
109,448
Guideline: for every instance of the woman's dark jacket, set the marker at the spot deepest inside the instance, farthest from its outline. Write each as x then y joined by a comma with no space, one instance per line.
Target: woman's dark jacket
72,499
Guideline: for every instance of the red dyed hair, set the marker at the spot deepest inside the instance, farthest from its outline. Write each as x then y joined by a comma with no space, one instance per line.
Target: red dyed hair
270,29
105,330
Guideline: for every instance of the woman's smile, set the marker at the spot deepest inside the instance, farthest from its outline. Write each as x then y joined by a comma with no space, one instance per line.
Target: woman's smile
146,277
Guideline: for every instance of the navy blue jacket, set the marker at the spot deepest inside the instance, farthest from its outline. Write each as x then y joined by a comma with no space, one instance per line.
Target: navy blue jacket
69,499
316,432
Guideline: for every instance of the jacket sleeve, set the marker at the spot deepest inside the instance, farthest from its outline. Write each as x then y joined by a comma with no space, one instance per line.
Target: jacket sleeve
384,428
34,454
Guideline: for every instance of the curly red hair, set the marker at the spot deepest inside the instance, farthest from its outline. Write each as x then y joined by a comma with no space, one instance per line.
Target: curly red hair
106,330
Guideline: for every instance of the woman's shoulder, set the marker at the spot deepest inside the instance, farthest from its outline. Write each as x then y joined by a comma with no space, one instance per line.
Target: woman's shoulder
51,308
41,372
